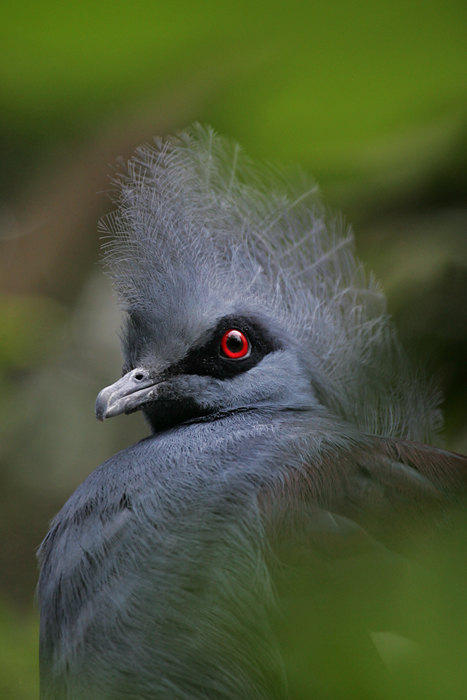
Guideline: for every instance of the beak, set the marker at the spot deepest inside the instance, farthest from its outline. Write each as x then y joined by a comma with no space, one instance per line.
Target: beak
128,394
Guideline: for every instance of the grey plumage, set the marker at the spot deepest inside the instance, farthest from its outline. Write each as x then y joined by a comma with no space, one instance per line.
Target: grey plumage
156,575
200,231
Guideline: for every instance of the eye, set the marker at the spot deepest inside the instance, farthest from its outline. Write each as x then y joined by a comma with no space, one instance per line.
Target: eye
235,345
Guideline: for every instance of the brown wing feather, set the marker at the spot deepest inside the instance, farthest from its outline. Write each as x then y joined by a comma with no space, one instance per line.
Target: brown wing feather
390,488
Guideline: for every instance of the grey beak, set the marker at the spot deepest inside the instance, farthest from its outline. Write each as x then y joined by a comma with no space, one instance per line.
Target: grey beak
128,394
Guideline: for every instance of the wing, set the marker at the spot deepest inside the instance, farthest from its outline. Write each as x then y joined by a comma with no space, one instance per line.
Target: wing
337,528
381,488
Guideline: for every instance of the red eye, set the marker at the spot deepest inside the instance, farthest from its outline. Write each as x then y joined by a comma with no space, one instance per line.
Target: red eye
235,345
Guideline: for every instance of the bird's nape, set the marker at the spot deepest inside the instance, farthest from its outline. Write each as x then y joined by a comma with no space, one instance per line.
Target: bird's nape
286,431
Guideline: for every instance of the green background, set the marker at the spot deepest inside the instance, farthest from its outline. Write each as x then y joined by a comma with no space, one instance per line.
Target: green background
369,97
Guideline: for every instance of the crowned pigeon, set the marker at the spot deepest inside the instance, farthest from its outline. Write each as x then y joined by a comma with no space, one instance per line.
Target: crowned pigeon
284,416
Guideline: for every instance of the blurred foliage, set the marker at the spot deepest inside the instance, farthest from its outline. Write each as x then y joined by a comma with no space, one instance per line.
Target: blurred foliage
340,86
19,665
381,627
27,326
371,98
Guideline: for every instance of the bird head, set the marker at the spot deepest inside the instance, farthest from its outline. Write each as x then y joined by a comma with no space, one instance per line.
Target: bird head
240,291
235,361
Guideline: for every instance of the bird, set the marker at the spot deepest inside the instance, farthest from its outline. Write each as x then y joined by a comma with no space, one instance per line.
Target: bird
284,417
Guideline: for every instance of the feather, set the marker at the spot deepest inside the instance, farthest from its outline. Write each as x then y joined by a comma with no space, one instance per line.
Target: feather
200,229
385,488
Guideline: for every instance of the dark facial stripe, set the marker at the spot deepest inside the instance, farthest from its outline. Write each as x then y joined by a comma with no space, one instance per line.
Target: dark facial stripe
209,360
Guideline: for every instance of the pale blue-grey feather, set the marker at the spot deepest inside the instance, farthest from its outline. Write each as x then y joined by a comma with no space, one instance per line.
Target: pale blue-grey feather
200,230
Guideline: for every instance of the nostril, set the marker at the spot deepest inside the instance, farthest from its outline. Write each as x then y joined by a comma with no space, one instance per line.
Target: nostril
139,376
